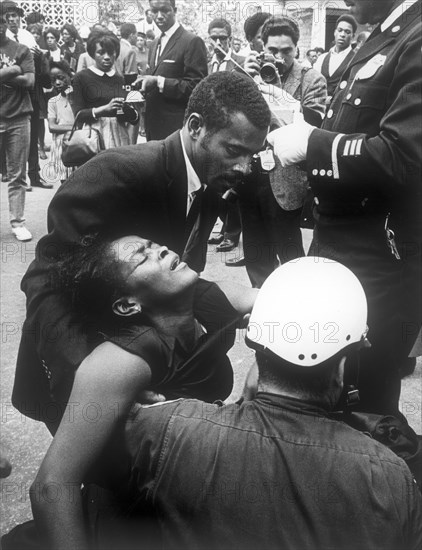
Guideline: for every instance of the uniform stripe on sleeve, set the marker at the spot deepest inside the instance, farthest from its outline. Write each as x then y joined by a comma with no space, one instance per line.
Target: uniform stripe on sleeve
346,148
334,156
353,147
359,147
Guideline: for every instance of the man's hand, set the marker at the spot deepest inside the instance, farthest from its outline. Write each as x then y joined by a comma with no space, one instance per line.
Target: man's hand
149,83
290,143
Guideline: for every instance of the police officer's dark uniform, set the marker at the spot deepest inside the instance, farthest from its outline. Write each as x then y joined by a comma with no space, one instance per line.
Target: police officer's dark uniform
365,171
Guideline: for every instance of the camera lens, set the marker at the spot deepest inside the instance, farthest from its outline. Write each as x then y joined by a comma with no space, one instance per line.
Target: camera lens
268,73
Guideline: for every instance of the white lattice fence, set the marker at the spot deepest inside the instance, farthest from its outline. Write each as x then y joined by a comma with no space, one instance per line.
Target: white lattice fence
78,12
58,12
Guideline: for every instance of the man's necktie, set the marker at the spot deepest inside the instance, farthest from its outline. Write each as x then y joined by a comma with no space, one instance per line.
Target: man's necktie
193,212
16,37
159,47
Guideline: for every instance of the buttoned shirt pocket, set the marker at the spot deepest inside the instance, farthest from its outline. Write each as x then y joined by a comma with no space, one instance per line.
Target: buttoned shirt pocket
363,107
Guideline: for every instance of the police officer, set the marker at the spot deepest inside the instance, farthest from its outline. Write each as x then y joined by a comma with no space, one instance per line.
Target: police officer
275,471
365,171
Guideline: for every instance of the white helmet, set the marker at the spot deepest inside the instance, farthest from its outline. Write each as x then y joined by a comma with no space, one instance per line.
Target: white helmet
307,311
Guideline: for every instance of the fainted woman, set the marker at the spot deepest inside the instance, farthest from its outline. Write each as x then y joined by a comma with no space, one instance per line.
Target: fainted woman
161,328
99,92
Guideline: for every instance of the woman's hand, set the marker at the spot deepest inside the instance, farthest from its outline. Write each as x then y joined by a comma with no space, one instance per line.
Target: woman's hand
111,108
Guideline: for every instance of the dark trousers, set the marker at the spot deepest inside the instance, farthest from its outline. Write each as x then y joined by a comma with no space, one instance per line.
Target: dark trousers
393,291
271,235
33,159
229,213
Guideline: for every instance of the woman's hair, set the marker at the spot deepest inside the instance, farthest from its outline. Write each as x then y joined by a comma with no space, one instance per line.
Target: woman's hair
253,23
52,30
62,65
90,276
71,29
106,39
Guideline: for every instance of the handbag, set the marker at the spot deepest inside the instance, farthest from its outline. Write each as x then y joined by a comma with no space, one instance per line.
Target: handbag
81,145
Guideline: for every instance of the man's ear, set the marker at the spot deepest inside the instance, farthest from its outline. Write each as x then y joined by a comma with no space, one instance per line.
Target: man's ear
125,307
195,125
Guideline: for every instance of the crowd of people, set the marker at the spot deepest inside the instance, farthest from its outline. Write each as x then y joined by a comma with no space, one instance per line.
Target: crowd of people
117,311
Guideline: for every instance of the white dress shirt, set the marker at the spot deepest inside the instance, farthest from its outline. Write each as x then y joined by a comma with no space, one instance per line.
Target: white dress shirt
194,183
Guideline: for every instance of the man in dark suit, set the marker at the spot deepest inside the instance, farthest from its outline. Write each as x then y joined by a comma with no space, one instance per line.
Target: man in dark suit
177,63
164,191
365,171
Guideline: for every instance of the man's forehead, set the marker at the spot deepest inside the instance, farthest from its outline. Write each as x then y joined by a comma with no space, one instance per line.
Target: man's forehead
160,4
280,40
344,26
219,31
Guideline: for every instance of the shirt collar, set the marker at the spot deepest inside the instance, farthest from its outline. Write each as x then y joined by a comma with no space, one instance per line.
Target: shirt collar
169,33
97,71
226,58
125,42
396,13
344,52
194,183
24,37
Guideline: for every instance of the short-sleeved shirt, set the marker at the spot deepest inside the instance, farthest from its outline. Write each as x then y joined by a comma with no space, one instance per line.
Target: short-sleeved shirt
15,101
204,372
60,109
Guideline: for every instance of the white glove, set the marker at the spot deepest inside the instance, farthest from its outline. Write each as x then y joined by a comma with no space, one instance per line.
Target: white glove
290,143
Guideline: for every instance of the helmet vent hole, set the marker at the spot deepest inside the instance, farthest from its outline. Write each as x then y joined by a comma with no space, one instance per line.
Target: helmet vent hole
348,337
301,357
314,356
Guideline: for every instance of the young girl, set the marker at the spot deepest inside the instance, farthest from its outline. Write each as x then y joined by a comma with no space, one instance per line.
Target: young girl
60,116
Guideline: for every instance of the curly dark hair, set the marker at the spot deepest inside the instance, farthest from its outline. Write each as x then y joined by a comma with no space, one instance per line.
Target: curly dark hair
347,18
51,30
107,40
88,274
72,30
220,24
276,26
253,23
62,65
220,95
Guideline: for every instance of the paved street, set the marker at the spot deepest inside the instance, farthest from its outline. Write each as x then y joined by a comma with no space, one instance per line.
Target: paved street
25,441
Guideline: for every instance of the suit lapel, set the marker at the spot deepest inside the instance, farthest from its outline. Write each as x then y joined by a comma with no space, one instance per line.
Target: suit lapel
177,185
294,78
169,46
153,55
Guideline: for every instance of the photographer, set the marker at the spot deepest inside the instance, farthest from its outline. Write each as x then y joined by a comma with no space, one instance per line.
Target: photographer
98,92
270,214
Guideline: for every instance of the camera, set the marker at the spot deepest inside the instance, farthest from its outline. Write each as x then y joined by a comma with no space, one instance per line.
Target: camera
271,68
